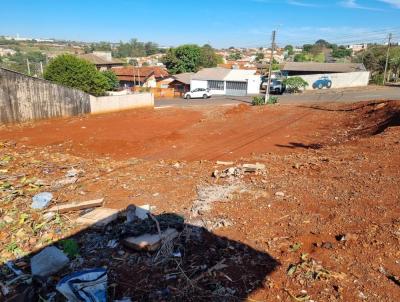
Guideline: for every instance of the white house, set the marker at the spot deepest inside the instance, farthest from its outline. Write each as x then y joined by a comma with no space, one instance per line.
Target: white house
223,81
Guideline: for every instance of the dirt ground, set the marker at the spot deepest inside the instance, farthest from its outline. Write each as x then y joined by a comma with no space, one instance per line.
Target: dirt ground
320,223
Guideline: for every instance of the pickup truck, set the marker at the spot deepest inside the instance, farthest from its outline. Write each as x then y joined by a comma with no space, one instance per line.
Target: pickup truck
276,86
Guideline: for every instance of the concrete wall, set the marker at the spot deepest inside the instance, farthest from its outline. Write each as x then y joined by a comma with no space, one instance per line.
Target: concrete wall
340,80
253,85
121,102
24,98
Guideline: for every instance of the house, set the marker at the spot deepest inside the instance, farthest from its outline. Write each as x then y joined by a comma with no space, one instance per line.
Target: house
339,75
7,52
152,77
357,47
181,82
223,81
102,59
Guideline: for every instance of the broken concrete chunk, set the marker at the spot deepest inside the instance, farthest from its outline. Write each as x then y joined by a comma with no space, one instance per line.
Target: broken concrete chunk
98,218
76,205
48,262
41,200
150,242
142,211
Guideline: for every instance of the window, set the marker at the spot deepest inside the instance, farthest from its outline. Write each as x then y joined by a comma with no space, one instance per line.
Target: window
215,85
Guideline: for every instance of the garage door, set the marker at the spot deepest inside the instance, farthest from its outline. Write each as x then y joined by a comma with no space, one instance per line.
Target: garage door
236,88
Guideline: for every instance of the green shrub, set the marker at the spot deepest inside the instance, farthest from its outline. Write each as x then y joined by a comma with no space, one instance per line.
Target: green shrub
295,84
73,72
377,79
112,80
70,247
272,100
258,101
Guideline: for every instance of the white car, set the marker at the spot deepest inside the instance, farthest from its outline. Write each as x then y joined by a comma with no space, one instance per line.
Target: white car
198,93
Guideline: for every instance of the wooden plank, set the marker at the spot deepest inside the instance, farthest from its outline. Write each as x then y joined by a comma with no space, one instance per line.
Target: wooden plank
98,218
149,242
76,205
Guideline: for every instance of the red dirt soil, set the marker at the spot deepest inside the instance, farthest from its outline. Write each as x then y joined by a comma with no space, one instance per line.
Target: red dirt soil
205,133
336,165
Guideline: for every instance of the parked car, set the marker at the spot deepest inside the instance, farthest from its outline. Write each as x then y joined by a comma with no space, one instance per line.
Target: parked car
277,86
322,82
198,93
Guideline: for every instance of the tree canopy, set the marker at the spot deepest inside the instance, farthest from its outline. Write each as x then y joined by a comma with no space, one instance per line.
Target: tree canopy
135,48
76,73
190,58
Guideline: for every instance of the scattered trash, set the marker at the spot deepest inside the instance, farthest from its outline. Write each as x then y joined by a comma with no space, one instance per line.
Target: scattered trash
4,289
48,261
85,286
76,205
112,243
98,218
48,216
12,268
280,194
41,200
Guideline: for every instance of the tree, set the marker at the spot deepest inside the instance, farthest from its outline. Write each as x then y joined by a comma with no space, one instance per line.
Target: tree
189,58
76,73
259,56
307,47
112,79
289,49
295,84
234,56
341,52
208,57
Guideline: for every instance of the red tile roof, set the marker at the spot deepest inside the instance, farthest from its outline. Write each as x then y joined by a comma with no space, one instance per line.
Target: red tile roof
127,73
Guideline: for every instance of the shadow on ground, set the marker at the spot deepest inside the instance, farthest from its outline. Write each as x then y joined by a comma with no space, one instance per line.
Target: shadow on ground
196,266
293,145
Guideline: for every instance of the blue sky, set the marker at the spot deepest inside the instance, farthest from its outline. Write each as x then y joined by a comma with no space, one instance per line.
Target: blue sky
222,23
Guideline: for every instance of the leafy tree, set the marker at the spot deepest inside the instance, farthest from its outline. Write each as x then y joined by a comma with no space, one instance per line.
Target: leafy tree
235,56
190,58
151,48
289,49
295,84
208,57
73,72
112,79
341,52
307,47
259,56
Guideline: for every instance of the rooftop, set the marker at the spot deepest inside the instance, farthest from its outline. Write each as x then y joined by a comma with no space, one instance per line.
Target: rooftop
323,67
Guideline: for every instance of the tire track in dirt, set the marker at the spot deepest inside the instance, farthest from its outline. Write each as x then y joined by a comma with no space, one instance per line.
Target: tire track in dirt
231,142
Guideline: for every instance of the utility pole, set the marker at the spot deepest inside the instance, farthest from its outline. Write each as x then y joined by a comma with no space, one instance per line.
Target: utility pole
41,68
27,64
387,58
270,67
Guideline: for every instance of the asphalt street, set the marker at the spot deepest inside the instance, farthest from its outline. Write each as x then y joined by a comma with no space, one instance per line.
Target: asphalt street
348,95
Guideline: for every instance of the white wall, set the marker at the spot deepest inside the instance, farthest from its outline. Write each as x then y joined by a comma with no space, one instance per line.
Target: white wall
194,84
340,80
121,102
253,85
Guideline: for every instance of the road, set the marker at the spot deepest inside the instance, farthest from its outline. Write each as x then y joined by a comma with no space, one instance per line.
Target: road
310,97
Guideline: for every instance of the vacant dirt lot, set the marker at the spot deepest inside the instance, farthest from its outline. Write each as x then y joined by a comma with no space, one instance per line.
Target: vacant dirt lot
320,223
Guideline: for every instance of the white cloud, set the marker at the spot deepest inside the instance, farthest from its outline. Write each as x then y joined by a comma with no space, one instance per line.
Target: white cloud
301,3
355,5
395,3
